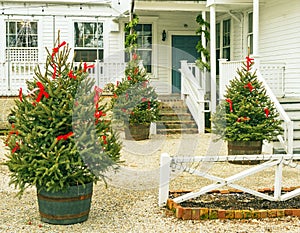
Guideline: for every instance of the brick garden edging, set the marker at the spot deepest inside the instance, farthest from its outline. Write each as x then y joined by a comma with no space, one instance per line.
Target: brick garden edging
200,213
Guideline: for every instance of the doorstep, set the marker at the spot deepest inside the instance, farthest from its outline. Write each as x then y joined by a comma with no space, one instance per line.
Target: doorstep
200,213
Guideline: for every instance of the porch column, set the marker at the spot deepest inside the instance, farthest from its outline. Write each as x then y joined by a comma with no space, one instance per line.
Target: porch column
213,58
255,28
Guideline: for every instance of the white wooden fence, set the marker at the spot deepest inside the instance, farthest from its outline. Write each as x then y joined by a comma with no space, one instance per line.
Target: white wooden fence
279,161
13,75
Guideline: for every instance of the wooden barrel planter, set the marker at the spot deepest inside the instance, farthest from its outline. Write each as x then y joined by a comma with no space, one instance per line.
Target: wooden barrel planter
137,132
69,207
244,148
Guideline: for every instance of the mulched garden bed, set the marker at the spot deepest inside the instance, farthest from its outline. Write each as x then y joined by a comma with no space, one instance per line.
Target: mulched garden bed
232,204
245,201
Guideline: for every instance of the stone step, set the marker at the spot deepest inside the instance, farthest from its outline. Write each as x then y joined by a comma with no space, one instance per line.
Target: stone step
175,117
278,149
177,131
176,125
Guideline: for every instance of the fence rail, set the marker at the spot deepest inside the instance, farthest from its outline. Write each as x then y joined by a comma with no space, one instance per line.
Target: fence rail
13,75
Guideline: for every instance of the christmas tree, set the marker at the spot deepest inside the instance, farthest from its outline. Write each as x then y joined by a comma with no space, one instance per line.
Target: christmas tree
61,136
247,114
135,101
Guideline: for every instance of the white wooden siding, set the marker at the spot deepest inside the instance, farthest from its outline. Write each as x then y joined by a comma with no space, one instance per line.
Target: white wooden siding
280,39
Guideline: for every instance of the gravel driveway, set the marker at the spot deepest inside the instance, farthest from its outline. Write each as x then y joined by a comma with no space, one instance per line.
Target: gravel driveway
129,204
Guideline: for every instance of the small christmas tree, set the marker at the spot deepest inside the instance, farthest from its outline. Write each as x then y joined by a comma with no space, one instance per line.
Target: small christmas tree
247,114
60,136
135,100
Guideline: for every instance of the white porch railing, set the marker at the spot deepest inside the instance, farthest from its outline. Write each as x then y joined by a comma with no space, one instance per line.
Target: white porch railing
193,92
273,73
13,75
275,77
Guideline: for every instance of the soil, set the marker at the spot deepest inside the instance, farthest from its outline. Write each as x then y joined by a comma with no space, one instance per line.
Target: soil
245,201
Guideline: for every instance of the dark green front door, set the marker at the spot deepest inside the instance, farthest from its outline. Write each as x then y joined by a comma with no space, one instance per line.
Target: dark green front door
183,48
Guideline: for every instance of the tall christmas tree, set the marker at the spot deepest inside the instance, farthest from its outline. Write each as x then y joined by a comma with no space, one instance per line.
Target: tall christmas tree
247,114
60,136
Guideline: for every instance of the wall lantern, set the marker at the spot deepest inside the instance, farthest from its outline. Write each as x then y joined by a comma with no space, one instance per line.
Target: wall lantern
164,35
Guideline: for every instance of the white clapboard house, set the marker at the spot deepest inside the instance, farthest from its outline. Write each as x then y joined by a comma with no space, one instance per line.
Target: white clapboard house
268,30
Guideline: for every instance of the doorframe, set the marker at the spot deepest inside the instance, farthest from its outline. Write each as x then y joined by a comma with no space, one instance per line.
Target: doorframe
170,36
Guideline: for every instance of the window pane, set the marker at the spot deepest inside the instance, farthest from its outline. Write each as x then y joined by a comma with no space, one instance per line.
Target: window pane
146,56
218,34
226,33
250,22
88,55
88,34
21,34
226,53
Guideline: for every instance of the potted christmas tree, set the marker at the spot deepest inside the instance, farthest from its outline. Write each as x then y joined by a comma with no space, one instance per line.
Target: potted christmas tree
60,141
135,101
247,117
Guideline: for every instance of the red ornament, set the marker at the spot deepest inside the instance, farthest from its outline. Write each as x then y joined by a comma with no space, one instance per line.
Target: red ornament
136,71
55,50
54,71
86,67
230,104
17,147
134,56
149,104
128,78
71,75
104,139
249,85
20,94
267,112
42,92
249,61
64,136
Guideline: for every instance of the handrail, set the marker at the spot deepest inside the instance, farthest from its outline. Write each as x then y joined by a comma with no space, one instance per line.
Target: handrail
193,93
287,141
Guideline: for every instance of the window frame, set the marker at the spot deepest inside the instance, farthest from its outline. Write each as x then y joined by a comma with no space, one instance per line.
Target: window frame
250,33
97,47
143,49
17,30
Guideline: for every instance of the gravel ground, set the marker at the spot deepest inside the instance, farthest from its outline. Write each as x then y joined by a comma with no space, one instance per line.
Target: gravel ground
129,204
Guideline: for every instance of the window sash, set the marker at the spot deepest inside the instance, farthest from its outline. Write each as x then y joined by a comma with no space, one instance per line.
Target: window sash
22,34
88,35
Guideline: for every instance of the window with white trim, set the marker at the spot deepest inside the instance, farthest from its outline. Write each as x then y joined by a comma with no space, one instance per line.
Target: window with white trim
21,40
250,33
21,34
226,39
88,41
144,45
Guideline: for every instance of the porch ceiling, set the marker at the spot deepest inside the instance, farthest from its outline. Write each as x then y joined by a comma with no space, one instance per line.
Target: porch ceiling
167,5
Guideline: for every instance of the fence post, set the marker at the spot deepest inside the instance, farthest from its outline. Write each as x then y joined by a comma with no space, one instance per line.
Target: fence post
164,176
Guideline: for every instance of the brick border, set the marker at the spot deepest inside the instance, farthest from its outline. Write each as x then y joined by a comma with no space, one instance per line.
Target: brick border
195,213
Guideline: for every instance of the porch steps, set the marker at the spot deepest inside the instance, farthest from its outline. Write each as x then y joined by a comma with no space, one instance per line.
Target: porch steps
292,108
175,117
